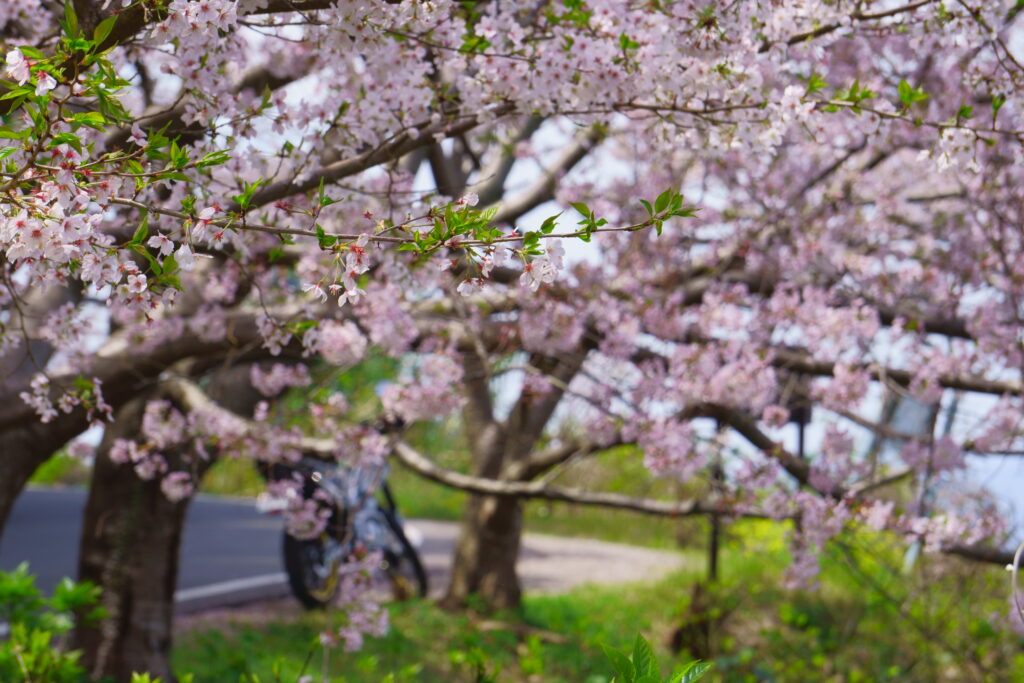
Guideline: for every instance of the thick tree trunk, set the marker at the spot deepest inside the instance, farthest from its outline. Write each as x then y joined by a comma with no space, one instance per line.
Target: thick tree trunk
486,554
131,537
129,547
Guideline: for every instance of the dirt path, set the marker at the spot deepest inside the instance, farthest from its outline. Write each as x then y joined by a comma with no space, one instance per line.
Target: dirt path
552,564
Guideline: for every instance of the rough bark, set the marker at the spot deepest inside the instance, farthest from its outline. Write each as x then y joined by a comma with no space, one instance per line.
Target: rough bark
484,563
129,543
131,535
486,554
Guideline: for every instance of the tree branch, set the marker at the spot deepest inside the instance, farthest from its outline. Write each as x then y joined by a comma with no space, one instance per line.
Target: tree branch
398,146
421,465
490,184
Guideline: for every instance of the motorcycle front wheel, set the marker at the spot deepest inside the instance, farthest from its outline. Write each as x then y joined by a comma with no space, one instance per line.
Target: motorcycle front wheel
310,575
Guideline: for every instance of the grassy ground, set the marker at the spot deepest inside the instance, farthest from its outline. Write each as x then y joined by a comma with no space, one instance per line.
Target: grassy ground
870,620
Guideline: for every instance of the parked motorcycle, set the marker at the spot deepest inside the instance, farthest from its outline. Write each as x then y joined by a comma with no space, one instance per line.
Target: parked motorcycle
363,519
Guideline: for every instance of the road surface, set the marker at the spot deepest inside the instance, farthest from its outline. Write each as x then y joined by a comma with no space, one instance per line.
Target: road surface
231,551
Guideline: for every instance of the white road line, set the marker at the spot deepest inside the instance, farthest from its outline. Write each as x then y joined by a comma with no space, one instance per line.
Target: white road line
225,587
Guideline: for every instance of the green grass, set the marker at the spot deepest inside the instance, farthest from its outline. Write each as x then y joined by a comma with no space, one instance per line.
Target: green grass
937,622
560,642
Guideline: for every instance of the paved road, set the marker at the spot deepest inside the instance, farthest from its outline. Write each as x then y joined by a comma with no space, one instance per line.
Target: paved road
231,551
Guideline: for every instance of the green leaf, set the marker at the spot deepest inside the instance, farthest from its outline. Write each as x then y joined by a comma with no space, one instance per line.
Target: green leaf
965,112
32,53
83,384
910,95
176,154
244,199
70,19
301,326
326,241
141,232
212,159
582,208
815,83
691,672
8,134
66,139
322,199
488,214
17,92
548,226
997,103
93,119
79,44
662,202
103,29
170,264
647,205
643,657
154,265
624,671
627,43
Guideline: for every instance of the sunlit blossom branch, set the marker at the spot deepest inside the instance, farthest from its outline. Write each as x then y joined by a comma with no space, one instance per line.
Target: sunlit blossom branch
455,242
952,124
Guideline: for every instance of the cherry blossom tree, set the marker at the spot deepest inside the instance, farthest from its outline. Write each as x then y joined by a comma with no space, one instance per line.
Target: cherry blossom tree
785,204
